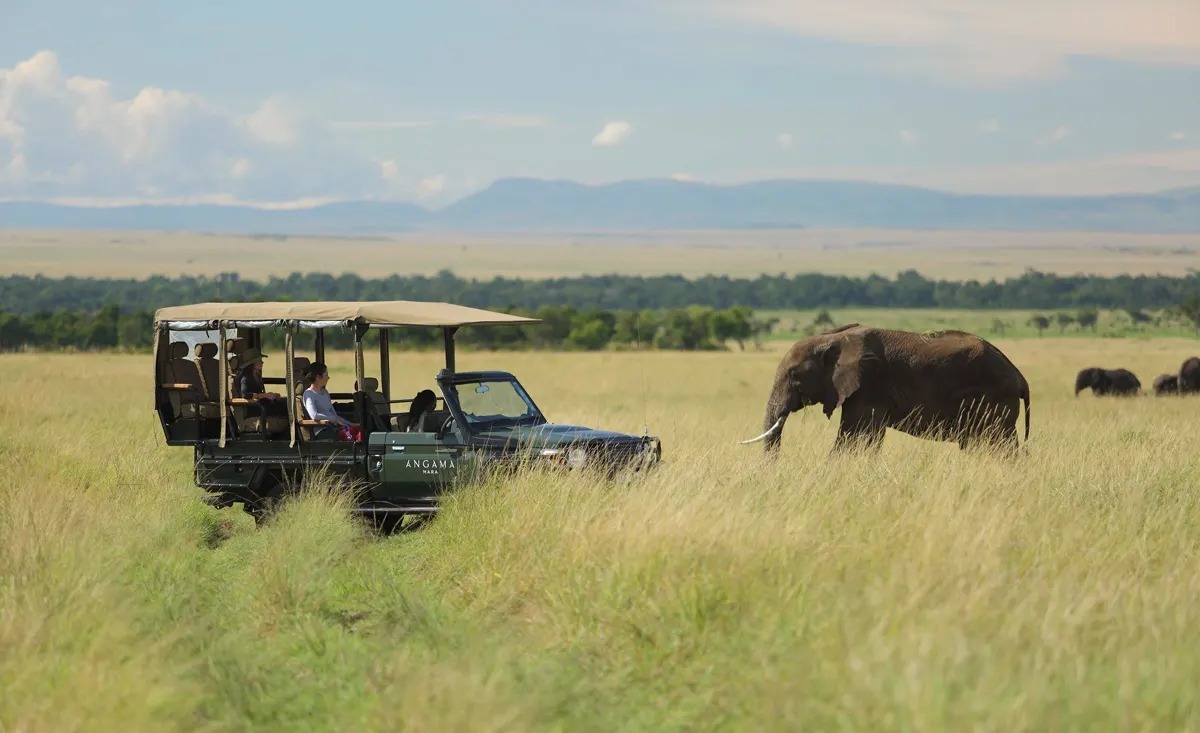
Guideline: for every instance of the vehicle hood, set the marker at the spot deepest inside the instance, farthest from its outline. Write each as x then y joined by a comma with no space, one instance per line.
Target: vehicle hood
552,435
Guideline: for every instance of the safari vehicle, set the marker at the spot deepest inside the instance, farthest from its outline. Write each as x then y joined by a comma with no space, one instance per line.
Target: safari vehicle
485,419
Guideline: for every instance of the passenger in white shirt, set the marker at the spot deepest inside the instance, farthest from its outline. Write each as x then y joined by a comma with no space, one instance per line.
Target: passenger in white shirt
317,402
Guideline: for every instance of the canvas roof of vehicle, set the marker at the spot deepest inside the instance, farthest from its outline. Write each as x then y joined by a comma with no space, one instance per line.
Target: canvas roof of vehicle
321,314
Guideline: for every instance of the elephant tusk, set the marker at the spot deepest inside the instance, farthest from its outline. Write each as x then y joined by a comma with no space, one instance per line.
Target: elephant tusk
765,435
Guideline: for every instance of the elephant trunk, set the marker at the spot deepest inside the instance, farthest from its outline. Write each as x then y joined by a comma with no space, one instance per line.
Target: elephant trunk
774,417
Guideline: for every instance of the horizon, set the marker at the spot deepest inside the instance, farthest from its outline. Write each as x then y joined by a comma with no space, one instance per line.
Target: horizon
304,205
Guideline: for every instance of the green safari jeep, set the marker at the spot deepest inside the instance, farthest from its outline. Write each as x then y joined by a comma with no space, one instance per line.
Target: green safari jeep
406,452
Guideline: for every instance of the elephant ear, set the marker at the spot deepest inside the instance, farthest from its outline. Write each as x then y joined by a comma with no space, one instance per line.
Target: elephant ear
851,360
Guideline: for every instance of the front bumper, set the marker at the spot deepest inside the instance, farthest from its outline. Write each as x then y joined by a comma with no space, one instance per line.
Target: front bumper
640,455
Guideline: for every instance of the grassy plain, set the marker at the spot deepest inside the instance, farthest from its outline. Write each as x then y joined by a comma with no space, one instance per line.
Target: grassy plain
940,254
920,589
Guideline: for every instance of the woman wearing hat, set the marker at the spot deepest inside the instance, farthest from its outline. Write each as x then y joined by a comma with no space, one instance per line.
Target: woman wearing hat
251,387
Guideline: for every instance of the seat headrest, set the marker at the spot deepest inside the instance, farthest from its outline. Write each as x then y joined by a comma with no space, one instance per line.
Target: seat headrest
369,384
178,350
235,345
206,350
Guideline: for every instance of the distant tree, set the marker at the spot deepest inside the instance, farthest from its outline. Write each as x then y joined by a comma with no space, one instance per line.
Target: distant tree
1087,318
1040,322
1063,320
102,331
635,328
760,327
823,318
998,326
686,329
591,334
1189,310
1138,317
15,332
732,324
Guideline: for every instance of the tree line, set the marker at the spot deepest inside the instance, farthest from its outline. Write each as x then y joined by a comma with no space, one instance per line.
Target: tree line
22,294
563,327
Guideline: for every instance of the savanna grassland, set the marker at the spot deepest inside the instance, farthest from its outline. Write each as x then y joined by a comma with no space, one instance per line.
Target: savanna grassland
919,589
858,252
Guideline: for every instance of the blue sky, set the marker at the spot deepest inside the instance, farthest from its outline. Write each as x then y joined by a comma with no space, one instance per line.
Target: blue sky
428,101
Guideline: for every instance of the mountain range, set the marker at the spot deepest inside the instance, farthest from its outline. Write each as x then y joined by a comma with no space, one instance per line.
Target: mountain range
527,204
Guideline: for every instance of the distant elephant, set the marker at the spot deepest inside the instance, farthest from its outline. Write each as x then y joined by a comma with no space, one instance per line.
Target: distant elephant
947,385
1165,384
1118,382
1189,376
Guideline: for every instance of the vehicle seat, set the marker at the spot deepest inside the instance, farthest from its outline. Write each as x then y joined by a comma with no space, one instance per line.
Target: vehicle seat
210,369
431,421
377,405
299,367
186,401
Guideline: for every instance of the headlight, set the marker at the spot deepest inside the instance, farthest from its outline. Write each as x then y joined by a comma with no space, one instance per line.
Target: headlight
572,457
577,457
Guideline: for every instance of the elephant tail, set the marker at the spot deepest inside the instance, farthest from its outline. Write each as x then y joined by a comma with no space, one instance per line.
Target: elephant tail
1025,399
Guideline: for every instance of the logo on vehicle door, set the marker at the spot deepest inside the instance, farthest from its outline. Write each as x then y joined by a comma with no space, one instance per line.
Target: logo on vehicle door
430,466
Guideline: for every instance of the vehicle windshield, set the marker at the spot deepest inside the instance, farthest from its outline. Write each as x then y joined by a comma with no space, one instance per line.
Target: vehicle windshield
488,404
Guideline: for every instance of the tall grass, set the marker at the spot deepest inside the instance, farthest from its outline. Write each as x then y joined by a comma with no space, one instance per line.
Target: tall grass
920,588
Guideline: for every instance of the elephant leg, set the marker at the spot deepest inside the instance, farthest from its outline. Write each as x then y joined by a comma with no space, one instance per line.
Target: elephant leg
986,422
861,428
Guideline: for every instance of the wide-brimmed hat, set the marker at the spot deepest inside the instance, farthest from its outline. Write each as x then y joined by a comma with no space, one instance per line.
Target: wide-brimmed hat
251,356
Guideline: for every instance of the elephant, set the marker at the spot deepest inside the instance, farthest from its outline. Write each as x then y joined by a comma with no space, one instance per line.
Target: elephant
1165,384
944,385
1118,382
1189,375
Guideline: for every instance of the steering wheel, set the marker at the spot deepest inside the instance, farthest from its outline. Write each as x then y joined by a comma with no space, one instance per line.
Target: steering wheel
446,424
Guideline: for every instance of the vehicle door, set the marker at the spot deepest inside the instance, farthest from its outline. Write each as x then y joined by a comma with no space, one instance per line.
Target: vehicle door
415,464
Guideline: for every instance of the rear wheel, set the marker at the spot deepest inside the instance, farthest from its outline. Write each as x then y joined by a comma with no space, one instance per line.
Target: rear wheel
395,522
270,491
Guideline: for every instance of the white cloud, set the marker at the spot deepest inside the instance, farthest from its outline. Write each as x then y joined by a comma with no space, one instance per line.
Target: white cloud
991,127
682,177
507,120
785,140
987,38
1178,136
614,133
274,123
389,171
909,137
1062,132
432,186
71,137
